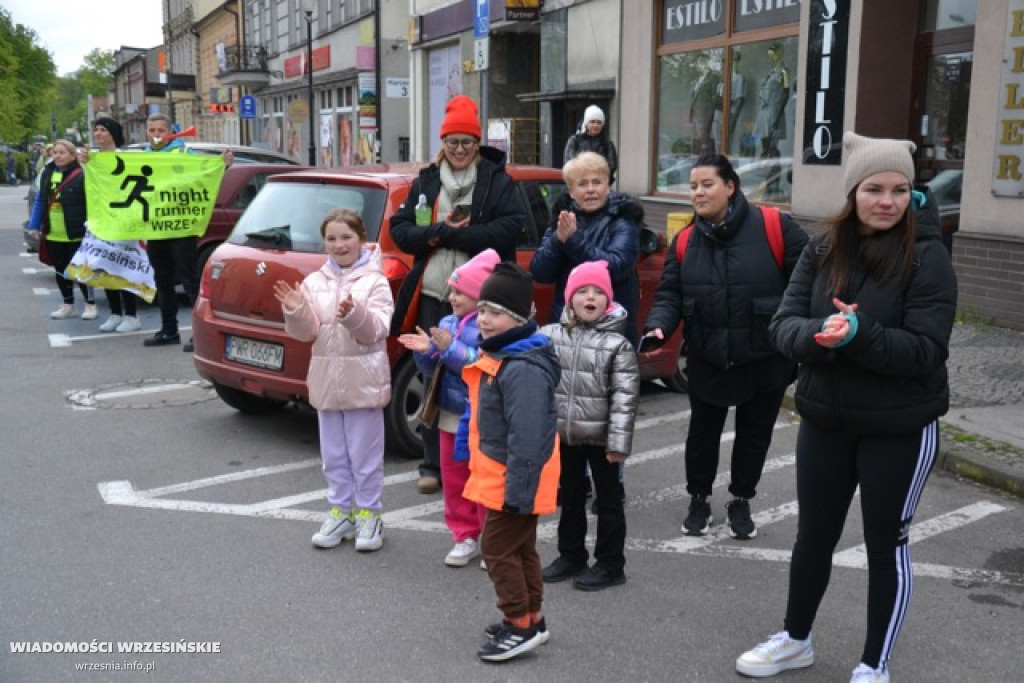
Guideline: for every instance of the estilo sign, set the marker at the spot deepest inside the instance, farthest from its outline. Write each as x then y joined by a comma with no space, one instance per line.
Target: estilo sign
825,85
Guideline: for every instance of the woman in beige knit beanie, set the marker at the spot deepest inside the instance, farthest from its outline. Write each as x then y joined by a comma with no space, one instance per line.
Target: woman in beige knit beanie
867,314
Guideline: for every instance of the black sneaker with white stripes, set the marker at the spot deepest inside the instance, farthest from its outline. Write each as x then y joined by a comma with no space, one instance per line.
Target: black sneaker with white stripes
542,630
510,642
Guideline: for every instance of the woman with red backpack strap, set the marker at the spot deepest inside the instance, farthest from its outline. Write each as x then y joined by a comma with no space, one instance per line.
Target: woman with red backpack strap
726,294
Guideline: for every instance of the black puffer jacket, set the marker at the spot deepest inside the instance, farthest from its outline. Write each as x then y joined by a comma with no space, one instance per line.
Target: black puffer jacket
891,377
600,144
497,215
726,295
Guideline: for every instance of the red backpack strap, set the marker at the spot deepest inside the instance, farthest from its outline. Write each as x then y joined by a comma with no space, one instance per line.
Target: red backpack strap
682,241
773,231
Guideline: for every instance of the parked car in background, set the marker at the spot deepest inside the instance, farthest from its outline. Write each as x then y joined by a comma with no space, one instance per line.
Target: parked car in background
243,154
240,343
946,187
31,241
766,180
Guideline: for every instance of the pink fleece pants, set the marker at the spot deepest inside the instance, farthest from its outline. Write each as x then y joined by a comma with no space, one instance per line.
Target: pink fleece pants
352,452
464,518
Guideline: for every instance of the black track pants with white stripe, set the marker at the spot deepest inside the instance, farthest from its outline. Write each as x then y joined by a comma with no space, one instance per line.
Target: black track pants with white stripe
891,472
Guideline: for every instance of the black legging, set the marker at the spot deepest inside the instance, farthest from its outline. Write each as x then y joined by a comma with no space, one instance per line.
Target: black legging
61,254
121,302
891,472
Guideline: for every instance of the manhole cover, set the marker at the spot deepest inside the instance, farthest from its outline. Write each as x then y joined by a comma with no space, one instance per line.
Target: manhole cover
146,393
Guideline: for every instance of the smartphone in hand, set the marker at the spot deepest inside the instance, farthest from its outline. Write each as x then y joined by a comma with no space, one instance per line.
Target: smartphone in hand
459,213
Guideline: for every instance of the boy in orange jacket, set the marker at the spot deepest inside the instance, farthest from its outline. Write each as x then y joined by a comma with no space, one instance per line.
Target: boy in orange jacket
512,431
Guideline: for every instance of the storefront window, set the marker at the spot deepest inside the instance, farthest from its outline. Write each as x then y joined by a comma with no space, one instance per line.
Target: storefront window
737,99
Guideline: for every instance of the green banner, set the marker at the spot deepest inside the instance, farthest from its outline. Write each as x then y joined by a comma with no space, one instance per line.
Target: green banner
150,195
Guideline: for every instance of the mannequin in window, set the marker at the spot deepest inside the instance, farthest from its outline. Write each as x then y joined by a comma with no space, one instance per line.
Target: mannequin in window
772,98
737,95
705,101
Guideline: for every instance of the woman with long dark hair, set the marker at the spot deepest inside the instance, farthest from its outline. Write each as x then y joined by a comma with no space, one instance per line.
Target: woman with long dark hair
868,315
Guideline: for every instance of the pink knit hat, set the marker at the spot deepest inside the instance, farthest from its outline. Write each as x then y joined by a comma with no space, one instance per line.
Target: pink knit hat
590,273
469,277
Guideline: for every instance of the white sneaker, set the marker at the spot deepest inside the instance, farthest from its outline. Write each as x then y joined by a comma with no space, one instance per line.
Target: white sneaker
865,674
335,529
779,653
483,564
129,323
369,528
65,311
462,553
111,324
89,312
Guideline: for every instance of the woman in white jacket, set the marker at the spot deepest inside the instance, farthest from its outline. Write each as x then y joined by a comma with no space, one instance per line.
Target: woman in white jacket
345,309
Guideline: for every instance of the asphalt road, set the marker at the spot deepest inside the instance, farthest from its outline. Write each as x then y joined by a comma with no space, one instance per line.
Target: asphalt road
139,509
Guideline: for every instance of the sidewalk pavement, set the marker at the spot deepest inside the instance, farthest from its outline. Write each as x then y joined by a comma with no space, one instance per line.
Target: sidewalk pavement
983,432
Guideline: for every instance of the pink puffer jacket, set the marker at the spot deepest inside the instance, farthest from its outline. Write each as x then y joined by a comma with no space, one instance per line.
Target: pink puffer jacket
349,365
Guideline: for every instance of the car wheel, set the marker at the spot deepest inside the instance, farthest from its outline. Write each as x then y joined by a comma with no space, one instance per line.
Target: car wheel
680,381
247,403
400,420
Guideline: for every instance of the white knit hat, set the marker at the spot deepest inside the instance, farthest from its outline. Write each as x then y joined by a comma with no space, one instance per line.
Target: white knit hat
868,156
593,113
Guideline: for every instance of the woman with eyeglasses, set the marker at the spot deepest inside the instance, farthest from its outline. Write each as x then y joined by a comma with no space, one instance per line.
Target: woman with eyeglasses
467,203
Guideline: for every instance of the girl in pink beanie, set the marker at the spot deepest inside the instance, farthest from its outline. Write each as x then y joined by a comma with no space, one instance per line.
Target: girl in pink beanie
447,348
597,398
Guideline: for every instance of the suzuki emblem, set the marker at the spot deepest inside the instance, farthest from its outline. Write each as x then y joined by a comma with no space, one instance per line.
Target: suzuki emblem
261,268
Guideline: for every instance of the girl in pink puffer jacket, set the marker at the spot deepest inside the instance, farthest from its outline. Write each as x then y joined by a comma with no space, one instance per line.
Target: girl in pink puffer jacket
345,310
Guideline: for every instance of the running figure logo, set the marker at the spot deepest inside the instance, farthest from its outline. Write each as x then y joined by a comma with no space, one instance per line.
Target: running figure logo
141,184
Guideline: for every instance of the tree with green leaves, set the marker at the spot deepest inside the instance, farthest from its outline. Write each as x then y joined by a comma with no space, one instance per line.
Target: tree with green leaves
27,78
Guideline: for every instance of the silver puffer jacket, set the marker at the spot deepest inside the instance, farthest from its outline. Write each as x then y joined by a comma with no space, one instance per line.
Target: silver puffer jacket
600,385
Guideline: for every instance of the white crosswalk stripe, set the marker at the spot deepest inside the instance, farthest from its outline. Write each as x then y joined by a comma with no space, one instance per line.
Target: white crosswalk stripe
427,516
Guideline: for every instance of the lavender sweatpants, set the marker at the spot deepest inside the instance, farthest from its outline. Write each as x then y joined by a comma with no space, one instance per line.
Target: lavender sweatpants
352,451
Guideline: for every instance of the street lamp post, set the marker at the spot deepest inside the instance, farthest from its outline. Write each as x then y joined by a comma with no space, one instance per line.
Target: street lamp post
307,8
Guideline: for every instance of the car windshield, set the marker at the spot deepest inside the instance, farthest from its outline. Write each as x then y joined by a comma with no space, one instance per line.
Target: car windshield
288,215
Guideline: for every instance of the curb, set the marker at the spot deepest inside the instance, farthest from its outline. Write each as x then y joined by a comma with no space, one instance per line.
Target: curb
962,462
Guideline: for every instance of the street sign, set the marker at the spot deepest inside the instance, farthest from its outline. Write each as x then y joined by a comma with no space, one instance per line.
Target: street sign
247,107
481,52
481,19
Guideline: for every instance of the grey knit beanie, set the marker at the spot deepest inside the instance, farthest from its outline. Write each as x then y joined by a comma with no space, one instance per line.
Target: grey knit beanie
868,156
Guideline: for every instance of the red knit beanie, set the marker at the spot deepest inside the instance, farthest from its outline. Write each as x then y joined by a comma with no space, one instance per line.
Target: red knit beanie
469,277
590,273
461,116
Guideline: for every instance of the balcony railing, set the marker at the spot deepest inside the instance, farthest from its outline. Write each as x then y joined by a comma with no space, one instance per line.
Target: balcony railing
245,66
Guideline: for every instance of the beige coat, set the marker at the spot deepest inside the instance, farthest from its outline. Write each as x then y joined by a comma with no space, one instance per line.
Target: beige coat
349,366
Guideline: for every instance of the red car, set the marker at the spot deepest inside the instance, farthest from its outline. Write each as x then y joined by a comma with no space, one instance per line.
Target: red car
239,186
240,343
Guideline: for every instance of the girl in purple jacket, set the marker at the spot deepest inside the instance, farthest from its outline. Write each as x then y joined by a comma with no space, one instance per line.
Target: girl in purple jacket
453,344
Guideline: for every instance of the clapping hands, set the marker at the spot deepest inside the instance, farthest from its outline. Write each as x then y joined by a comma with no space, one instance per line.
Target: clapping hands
288,296
837,325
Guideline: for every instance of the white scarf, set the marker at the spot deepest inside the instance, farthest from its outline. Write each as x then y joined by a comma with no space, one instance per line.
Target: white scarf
456,190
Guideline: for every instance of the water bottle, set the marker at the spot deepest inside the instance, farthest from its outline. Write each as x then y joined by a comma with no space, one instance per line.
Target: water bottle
423,211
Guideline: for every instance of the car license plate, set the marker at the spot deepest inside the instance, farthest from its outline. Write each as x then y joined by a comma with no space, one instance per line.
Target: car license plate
252,352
